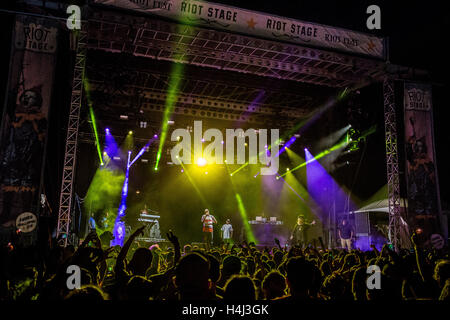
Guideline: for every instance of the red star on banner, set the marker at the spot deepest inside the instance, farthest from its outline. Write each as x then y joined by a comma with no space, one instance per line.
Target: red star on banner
251,23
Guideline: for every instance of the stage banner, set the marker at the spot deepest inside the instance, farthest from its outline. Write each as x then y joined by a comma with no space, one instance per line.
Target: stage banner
232,19
24,126
424,213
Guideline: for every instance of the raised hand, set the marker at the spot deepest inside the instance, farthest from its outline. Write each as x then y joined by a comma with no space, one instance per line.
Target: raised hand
172,238
139,231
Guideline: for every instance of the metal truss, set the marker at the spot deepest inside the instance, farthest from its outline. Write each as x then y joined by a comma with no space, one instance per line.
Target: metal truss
393,178
63,233
164,40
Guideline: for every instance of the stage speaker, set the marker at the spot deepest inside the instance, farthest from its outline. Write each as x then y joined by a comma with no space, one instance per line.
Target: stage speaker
362,223
362,230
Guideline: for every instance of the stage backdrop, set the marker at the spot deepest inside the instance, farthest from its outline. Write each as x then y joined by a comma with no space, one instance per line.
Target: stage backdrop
24,126
424,211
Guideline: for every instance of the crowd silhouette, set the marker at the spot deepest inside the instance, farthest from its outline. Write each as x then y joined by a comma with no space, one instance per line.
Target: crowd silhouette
241,272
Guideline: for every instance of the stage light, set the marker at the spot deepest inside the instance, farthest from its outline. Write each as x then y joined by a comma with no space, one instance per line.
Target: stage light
116,158
206,172
182,170
178,138
201,162
137,192
170,122
130,132
94,127
123,117
144,160
155,136
222,142
419,230
156,169
231,174
297,135
203,140
287,169
107,130
104,153
246,144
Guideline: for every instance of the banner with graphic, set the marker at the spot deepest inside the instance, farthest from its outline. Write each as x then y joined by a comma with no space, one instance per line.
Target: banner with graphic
25,120
253,23
421,174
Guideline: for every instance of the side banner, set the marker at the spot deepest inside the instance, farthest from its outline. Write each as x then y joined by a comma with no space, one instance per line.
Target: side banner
422,185
232,19
24,126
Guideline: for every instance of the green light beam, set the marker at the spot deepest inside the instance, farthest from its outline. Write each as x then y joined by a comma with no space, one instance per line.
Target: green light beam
243,212
319,156
191,180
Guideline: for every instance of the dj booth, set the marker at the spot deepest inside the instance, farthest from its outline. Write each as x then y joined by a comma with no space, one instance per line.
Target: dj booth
266,230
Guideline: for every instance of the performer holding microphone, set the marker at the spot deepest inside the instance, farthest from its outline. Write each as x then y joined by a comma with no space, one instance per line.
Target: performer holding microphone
208,220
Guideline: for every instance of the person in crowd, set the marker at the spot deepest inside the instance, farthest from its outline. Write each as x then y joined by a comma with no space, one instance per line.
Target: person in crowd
240,288
241,271
274,285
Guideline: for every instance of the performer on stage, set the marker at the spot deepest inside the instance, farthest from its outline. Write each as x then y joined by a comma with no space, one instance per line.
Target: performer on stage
299,236
208,220
346,234
227,232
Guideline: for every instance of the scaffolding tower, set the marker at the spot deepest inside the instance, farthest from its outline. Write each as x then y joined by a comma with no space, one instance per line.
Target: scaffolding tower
393,178
63,233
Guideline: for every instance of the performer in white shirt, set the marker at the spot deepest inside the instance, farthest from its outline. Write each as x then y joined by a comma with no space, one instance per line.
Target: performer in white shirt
227,232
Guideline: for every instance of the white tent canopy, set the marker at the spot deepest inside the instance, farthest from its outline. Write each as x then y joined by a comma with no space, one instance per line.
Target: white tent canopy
380,206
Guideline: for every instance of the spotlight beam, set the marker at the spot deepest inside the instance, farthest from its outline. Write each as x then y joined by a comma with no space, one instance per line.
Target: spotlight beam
172,94
141,152
119,225
319,156
191,180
